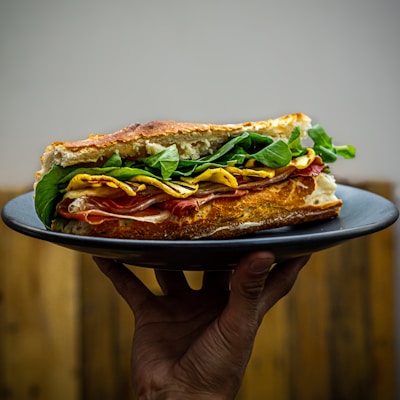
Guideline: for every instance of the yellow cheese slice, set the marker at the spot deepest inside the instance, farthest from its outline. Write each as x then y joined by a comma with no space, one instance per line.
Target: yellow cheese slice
216,175
84,181
264,172
305,161
180,190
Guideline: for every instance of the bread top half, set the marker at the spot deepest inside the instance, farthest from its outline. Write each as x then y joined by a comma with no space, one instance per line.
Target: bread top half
141,140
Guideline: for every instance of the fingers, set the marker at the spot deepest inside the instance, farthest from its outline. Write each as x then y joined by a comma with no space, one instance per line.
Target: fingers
281,280
216,280
127,284
172,282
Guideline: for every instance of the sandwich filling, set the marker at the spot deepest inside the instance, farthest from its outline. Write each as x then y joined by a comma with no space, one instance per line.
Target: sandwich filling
162,185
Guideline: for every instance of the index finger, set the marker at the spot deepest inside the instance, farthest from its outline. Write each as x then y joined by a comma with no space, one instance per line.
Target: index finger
128,285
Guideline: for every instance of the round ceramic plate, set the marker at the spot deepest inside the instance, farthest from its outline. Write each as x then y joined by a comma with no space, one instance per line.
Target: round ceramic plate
362,213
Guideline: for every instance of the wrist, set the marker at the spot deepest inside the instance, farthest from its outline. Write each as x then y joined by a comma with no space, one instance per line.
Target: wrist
177,390
186,396
181,395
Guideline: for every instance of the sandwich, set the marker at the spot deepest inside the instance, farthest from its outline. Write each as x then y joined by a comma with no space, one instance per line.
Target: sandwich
168,180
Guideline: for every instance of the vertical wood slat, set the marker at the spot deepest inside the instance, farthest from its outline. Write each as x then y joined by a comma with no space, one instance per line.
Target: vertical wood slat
107,331
310,326
39,346
65,333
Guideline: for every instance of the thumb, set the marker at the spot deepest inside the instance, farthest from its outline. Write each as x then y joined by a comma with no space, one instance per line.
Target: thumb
249,278
247,285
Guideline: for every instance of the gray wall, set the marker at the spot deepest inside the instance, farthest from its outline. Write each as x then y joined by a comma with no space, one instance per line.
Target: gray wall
73,67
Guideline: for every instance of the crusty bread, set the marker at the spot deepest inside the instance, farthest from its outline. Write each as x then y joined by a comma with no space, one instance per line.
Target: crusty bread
140,140
288,203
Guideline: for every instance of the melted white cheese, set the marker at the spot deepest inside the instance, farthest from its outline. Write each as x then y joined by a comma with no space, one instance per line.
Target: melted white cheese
324,191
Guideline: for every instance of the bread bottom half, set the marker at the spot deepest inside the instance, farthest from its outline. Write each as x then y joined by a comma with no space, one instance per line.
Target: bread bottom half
278,205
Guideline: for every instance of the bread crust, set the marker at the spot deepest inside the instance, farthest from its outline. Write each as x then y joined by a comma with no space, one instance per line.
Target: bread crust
140,140
278,205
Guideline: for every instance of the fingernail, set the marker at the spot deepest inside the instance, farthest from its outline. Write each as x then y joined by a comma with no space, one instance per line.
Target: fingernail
261,265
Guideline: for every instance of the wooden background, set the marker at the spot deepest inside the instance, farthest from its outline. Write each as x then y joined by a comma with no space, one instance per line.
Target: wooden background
65,334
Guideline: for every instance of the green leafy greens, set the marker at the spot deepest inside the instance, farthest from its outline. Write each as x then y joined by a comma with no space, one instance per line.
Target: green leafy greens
166,164
324,147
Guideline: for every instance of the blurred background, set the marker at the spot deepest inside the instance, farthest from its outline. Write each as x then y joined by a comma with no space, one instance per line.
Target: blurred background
70,68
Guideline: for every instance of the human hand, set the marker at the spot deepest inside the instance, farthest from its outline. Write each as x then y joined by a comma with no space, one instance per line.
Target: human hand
195,344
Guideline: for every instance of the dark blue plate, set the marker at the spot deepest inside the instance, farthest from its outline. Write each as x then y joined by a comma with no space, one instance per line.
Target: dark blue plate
362,213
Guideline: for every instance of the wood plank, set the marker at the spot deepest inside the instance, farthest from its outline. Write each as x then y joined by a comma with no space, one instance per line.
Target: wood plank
105,368
382,303
350,318
309,324
39,342
267,372
107,331
382,315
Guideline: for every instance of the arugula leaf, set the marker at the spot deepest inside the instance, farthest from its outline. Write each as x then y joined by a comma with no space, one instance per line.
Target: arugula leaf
227,147
328,155
238,156
346,151
114,161
47,194
126,173
294,143
255,142
189,168
324,147
234,152
230,153
320,137
275,155
166,161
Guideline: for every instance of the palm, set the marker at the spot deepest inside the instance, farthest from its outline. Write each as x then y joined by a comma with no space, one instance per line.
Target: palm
179,330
